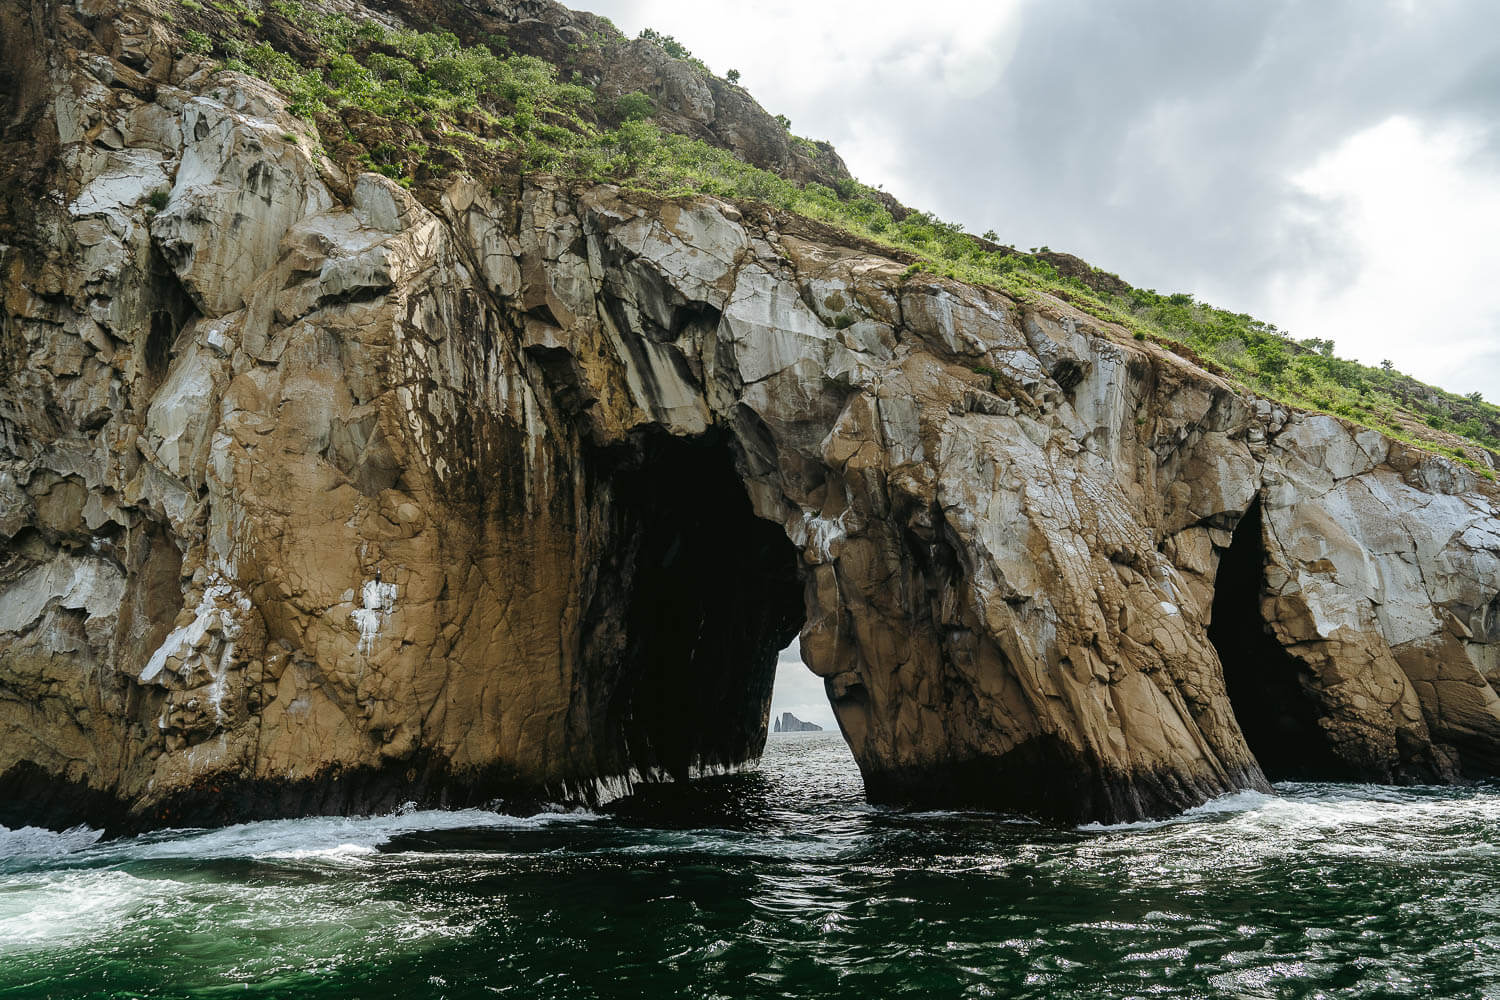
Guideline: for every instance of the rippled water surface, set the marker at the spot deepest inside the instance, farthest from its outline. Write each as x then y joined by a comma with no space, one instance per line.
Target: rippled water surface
779,882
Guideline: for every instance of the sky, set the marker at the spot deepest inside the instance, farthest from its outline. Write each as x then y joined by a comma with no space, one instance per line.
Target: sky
1330,166
800,691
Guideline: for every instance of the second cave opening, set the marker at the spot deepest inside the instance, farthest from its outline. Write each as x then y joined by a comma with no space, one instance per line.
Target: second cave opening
1269,688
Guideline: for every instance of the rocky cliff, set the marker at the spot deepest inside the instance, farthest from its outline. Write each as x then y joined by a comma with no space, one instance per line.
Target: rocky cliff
317,497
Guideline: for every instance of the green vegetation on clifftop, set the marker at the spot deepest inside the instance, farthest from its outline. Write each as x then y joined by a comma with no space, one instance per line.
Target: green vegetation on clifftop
418,105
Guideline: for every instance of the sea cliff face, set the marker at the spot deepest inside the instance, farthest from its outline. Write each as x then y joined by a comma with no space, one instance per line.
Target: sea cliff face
314,497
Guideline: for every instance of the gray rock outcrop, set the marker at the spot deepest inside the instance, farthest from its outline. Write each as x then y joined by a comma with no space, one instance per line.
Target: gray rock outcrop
786,722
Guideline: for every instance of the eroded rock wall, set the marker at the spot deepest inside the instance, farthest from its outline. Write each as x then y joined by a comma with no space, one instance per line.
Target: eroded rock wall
317,498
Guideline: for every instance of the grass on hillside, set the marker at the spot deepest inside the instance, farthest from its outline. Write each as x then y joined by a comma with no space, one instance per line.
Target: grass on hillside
417,105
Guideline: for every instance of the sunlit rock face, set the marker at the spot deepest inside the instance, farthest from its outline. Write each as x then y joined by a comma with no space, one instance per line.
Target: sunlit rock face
317,498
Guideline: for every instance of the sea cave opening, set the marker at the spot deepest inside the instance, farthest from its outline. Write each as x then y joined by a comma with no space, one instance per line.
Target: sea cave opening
1268,686
712,594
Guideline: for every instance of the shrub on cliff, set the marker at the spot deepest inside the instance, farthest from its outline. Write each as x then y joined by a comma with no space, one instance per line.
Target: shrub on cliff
438,104
669,45
634,106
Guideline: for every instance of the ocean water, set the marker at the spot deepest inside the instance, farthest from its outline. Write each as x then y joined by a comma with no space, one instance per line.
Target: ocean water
779,882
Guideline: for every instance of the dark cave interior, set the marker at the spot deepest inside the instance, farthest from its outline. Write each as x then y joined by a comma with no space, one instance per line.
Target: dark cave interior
712,596
1268,686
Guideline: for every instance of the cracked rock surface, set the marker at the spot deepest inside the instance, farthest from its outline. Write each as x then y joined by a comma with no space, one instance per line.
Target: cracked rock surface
315,498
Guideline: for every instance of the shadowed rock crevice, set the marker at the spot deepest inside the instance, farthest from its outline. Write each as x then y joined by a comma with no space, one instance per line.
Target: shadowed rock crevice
171,309
710,594
31,795
1268,687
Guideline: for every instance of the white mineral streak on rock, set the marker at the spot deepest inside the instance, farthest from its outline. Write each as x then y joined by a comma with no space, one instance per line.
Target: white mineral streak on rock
215,613
377,601
130,176
180,422
822,532
220,670
94,586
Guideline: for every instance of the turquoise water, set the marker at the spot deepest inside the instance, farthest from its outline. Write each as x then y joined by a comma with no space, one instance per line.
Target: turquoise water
775,883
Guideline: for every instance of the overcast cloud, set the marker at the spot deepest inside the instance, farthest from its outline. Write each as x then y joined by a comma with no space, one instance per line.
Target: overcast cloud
1331,166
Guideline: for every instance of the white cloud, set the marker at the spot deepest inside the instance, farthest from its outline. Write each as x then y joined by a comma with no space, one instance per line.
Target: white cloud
794,49
1421,218
824,64
800,691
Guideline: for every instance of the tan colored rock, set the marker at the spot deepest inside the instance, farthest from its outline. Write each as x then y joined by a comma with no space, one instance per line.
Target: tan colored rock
380,501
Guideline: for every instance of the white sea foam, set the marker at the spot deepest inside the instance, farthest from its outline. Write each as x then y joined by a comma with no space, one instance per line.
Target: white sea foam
70,889
329,837
1310,807
1315,822
66,906
1234,802
33,843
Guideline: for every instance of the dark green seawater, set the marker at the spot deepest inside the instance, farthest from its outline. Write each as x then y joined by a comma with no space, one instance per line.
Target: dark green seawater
779,882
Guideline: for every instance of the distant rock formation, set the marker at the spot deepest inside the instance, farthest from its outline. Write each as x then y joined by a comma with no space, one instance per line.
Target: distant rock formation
789,723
